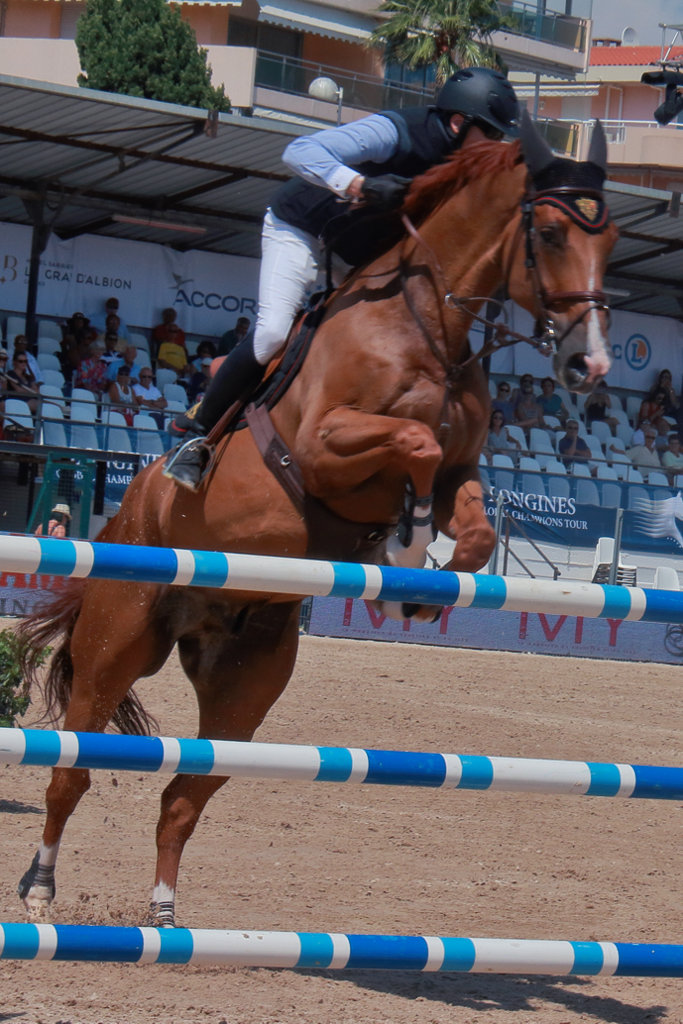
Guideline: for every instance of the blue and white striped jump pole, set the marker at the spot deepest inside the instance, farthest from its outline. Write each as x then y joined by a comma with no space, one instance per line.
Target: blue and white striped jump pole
337,764
309,577
332,951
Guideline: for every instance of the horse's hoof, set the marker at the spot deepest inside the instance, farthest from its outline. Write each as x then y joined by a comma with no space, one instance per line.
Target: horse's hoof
420,612
38,907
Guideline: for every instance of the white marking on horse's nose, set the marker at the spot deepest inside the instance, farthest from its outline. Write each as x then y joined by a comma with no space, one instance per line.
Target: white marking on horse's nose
598,358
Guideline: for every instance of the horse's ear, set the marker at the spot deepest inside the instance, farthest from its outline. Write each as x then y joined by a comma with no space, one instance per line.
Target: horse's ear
537,152
597,152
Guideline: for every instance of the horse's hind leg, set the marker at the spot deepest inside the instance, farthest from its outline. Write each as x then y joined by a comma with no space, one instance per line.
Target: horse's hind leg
238,678
108,656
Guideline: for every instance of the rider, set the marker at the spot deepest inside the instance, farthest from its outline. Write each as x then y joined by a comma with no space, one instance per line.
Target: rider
369,162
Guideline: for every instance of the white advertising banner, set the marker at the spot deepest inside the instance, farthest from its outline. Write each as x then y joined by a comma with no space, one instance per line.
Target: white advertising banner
208,290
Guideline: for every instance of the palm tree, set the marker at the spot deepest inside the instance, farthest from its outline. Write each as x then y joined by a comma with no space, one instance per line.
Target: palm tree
446,34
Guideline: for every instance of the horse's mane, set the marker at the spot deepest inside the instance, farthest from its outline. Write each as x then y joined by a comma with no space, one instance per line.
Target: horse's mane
440,182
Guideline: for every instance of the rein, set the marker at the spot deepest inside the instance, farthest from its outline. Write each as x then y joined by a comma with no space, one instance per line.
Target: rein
502,334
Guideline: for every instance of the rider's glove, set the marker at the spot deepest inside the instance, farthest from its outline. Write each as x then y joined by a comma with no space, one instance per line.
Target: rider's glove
385,192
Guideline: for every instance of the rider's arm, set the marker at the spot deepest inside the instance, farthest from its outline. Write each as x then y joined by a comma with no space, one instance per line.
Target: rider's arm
328,158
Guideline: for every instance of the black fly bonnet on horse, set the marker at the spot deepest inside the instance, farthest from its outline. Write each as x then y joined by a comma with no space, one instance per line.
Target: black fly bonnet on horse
573,187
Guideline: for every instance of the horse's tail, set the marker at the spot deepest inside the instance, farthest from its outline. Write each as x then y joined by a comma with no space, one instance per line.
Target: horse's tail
55,620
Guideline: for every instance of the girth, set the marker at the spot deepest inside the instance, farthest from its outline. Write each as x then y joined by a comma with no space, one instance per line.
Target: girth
329,535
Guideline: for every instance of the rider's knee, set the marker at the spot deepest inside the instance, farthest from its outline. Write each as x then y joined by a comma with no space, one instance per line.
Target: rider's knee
269,338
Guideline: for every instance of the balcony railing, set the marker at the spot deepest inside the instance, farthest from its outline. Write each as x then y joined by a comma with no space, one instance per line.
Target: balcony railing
287,74
525,19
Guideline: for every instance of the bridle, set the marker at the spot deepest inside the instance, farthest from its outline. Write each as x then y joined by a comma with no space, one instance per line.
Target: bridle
545,338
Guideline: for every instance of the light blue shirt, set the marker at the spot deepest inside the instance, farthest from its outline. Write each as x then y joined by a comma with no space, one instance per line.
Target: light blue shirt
328,157
113,371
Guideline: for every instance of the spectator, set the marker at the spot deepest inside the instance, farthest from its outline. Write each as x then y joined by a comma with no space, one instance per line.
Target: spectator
148,397
21,346
172,355
128,359
99,320
664,383
528,412
112,325
20,381
162,332
645,456
672,457
502,402
499,440
57,523
200,381
92,372
551,404
77,333
204,349
233,337
652,409
597,406
111,352
121,394
572,448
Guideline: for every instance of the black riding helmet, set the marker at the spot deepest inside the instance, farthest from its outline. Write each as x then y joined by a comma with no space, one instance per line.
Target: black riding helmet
483,96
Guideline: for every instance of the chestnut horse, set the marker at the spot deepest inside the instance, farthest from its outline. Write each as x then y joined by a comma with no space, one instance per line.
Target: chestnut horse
389,408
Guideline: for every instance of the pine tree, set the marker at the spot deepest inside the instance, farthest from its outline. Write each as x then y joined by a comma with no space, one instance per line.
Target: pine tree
445,34
144,48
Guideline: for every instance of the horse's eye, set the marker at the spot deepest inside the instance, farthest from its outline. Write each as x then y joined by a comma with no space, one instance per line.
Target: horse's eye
551,235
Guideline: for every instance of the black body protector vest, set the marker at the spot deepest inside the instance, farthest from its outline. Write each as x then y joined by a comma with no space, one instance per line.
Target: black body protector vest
360,234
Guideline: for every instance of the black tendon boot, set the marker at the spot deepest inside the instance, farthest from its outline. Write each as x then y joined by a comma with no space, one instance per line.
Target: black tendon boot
238,375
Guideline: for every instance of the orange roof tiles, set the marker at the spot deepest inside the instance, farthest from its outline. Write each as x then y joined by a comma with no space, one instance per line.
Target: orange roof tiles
617,56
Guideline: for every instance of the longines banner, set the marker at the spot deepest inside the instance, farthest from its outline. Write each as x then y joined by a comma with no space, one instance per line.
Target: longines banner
504,631
208,290
654,526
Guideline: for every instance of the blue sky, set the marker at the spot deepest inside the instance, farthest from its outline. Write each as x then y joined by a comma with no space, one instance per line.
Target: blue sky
610,18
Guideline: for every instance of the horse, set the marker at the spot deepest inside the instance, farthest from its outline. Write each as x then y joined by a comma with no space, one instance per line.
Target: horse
389,408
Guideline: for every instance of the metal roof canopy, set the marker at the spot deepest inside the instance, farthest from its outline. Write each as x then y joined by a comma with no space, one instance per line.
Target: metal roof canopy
77,161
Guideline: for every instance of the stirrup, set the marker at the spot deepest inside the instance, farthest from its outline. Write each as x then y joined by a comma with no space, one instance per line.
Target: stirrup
188,464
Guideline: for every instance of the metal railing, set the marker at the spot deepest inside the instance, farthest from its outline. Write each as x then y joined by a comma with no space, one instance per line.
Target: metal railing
291,75
525,19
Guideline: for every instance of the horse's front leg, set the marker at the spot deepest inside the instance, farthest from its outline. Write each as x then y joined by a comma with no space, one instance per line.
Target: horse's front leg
461,514
350,447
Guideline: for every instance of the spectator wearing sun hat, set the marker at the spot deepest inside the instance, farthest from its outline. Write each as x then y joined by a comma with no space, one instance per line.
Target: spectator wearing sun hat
57,523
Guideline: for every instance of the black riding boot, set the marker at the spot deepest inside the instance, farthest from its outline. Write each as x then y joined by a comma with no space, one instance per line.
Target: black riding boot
238,375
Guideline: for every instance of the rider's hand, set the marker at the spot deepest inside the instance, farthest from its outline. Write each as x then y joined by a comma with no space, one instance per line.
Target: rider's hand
386,192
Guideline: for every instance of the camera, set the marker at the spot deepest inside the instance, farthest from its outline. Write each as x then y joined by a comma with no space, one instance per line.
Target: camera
673,99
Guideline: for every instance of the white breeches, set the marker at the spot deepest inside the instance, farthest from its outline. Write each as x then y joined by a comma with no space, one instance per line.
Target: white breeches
290,267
